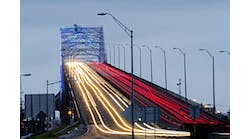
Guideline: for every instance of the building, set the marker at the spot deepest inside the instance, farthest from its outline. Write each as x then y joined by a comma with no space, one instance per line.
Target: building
35,103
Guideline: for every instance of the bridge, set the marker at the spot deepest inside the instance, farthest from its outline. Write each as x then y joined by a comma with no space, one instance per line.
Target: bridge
102,94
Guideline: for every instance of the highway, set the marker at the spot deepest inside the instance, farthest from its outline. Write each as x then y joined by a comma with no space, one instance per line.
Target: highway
173,110
105,105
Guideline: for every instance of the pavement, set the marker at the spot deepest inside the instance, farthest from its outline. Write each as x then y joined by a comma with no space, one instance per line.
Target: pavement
77,131
97,108
93,133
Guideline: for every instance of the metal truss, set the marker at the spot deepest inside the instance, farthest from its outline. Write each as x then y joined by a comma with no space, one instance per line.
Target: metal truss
85,43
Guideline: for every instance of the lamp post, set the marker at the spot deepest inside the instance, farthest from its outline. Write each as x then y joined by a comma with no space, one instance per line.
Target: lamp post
129,32
165,64
151,66
21,89
110,54
47,101
185,77
114,55
140,57
214,108
224,51
119,57
124,60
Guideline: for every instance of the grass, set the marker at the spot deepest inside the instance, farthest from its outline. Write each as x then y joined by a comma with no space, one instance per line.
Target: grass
51,134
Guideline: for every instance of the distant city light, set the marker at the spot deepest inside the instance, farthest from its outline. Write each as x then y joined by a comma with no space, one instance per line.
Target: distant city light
194,100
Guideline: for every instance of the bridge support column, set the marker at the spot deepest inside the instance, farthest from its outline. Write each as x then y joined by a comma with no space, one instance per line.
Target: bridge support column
64,108
65,103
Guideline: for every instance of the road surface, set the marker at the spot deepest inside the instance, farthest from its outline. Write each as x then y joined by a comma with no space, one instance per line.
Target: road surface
104,105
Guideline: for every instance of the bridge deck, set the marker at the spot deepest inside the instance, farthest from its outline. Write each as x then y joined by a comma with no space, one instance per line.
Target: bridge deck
104,105
174,110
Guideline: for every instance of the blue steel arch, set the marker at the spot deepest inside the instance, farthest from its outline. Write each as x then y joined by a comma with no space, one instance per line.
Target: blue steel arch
82,41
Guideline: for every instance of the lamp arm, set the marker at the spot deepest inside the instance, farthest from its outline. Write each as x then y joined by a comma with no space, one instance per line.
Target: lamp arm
54,82
125,28
208,53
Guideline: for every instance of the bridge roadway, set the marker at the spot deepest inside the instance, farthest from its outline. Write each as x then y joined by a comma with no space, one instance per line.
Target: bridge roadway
103,104
174,111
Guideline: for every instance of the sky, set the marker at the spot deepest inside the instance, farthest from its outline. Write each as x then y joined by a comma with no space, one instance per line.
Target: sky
188,25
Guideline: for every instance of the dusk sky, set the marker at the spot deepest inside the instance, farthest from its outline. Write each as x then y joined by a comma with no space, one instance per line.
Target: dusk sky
188,25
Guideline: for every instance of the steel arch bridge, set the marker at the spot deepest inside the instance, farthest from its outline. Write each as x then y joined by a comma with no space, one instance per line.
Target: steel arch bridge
85,42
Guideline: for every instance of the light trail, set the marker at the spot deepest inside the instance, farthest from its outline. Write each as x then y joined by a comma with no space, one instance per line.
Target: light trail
95,89
83,72
109,130
109,105
108,86
120,117
99,116
126,107
167,102
87,95
91,99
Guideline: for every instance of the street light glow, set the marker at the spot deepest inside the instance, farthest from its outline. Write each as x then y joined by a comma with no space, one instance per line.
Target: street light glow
194,100
69,112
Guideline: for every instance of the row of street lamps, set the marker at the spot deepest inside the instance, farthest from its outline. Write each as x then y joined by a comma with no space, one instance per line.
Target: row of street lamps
129,32
165,65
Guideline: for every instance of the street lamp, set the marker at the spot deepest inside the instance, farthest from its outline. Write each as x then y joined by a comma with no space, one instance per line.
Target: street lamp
124,60
165,64
119,57
185,76
129,32
21,88
224,51
114,55
214,109
47,101
140,57
110,54
151,67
